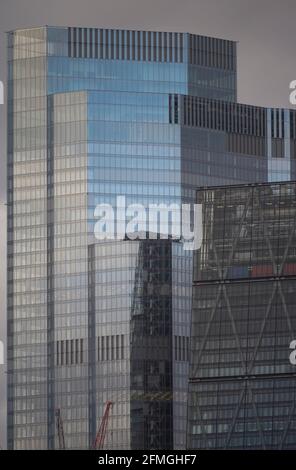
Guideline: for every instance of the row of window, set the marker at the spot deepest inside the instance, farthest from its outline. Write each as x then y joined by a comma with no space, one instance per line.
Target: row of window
125,45
109,348
280,119
181,348
237,118
223,116
212,52
69,352
150,46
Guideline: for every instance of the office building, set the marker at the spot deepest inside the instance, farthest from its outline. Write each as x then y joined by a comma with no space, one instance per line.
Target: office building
242,381
93,114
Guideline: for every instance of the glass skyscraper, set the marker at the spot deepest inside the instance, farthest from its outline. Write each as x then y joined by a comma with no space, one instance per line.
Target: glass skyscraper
242,388
93,114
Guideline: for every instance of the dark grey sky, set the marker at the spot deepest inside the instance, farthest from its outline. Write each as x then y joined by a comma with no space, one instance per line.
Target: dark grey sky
265,31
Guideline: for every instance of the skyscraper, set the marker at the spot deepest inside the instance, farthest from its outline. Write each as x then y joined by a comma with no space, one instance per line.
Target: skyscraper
93,114
242,381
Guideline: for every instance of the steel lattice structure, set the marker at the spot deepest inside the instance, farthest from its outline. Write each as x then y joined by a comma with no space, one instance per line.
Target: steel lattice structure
242,385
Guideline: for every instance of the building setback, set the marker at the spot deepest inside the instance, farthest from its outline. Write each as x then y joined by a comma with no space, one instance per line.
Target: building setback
242,383
93,114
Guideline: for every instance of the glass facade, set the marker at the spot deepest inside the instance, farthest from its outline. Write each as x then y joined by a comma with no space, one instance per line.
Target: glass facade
93,114
242,383
132,345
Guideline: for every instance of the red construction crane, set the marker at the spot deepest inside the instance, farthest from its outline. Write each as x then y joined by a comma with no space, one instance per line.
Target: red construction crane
60,429
101,434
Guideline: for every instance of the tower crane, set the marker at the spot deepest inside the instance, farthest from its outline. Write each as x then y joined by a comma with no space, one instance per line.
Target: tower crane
60,429
101,434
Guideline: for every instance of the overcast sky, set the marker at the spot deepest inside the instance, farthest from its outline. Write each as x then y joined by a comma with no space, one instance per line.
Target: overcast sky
265,31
